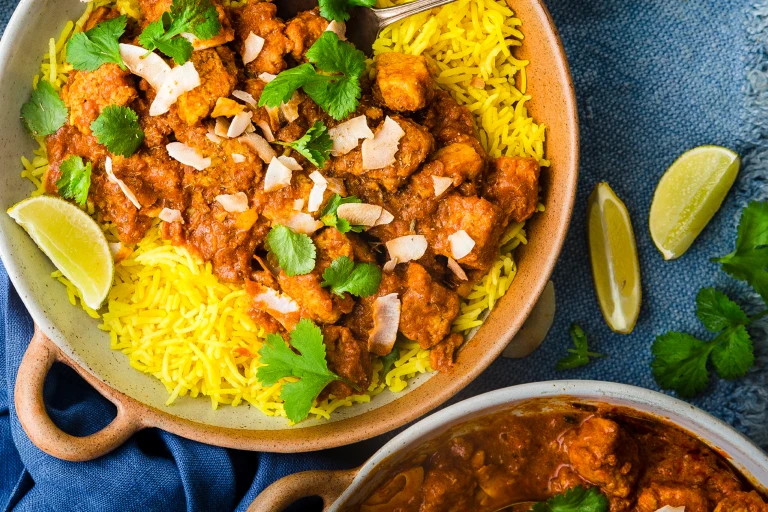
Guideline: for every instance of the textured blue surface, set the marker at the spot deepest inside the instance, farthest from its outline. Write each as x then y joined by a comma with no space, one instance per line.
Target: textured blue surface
654,78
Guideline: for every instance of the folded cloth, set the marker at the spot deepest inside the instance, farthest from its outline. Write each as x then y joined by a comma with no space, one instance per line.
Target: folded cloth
653,78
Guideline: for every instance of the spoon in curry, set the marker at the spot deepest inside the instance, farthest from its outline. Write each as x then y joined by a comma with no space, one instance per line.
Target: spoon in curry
364,23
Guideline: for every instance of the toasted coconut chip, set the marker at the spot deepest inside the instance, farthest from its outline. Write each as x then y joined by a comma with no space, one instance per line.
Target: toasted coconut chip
222,127
346,135
226,107
290,163
180,80
456,269
266,130
151,68
238,158
233,203
267,77
380,151
461,244
304,223
389,266
477,83
386,321
239,123
441,184
120,183
253,46
115,248
290,110
278,305
360,214
260,145
318,191
274,114
298,204
250,128
170,215
407,248
213,137
187,156
336,185
246,97
339,28
278,176
670,508
384,218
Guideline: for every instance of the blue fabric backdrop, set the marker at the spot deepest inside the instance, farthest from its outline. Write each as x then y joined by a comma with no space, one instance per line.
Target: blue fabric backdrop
653,78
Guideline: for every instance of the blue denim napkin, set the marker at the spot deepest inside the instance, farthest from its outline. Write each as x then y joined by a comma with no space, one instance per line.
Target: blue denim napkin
654,78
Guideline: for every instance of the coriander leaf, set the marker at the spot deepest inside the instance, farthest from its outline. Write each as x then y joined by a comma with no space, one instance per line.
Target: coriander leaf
44,113
338,97
329,218
75,179
749,262
734,356
198,17
680,363
580,355
332,55
717,312
315,145
118,128
338,10
575,499
294,251
178,48
344,276
389,361
281,89
89,50
309,366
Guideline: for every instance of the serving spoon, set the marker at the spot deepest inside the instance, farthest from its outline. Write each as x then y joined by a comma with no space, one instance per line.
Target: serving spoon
364,23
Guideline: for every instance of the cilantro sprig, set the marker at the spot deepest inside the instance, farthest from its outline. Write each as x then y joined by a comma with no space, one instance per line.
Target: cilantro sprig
338,10
45,112
389,361
198,17
295,252
118,128
580,355
346,276
329,217
315,145
331,79
575,499
681,361
88,51
75,179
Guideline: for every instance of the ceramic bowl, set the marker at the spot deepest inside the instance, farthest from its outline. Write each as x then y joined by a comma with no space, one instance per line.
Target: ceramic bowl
67,334
342,490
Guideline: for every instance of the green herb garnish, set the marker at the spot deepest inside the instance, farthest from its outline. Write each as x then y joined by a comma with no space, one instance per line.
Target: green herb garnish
118,128
88,51
575,499
332,79
315,145
346,276
44,113
389,361
75,179
198,17
329,218
580,355
294,251
338,10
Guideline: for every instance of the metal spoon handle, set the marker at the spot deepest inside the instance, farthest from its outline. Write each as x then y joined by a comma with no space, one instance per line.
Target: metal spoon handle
390,15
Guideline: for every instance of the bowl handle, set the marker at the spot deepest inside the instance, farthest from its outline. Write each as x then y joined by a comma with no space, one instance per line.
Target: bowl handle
30,408
329,485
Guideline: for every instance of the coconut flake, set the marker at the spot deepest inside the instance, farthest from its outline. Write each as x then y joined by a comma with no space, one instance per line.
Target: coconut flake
278,176
227,107
318,191
461,244
115,248
213,137
121,184
380,151
253,46
346,135
238,158
266,130
339,28
290,163
170,215
267,77
233,203
298,204
180,80
222,127
151,67
386,321
360,214
670,508
260,145
407,248
244,96
187,156
441,184
304,223
384,218
274,114
279,305
336,185
290,110
456,269
389,266
239,123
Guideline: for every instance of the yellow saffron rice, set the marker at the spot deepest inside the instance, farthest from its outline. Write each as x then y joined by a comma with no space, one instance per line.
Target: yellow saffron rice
176,321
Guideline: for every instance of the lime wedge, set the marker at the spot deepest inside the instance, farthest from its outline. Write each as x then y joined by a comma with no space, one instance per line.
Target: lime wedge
615,266
688,196
73,241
